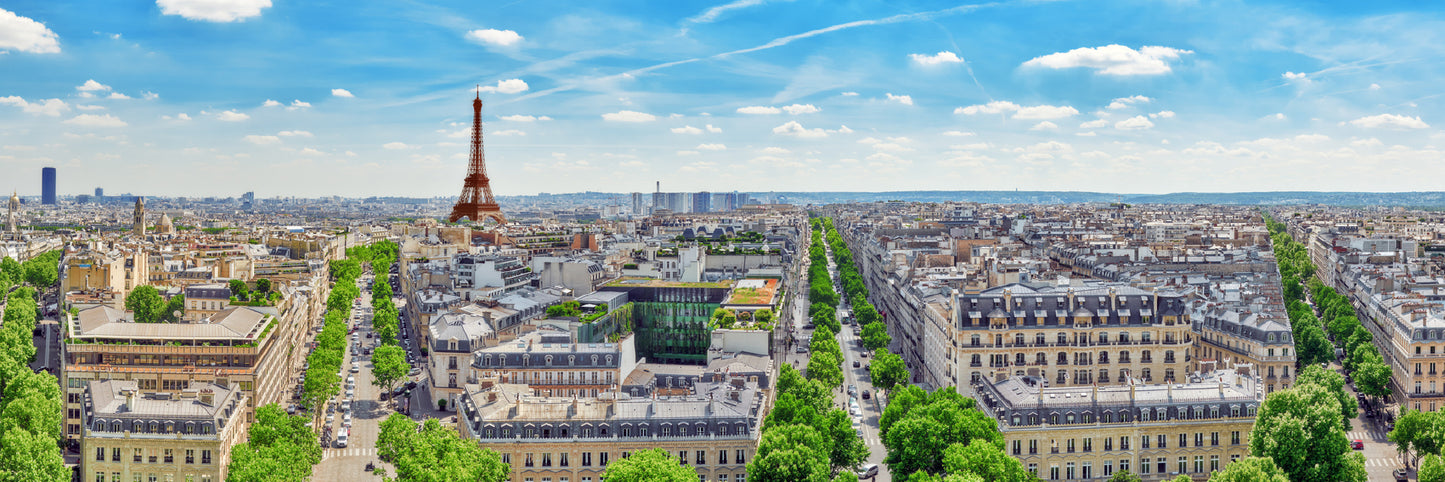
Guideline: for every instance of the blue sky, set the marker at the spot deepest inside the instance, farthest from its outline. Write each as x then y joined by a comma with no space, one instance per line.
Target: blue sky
218,97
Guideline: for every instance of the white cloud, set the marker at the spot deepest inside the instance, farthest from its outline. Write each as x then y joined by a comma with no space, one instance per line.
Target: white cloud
26,35
213,10
688,153
509,132
341,93
843,130
1036,112
294,134
1280,116
118,96
394,146
713,13
89,107
1293,75
1163,114
958,134
1390,120
92,120
47,107
232,116
311,152
793,128
1371,142
1045,125
297,104
629,116
523,118
1113,59
712,147
891,147
849,94
1374,86
1094,124
270,103
774,150
901,99
868,140
944,57
262,140
686,130
1135,123
148,95
1123,102
713,130
92,86
491,36
759,109
509,86
796,109
1086,134
183,116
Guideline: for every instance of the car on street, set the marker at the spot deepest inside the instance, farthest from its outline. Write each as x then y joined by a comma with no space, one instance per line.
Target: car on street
865,395
342,436
1357,444
853,389
867,471
1401,475
801,349
856,364
355,367
414,372
346,420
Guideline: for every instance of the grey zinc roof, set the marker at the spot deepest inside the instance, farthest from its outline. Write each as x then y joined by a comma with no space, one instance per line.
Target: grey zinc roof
107,400
235,323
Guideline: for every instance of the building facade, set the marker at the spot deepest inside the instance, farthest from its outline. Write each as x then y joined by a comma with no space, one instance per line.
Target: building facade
1155,431
156,436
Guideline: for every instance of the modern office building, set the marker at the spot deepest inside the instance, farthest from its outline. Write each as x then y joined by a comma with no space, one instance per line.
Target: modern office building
47,185
155,436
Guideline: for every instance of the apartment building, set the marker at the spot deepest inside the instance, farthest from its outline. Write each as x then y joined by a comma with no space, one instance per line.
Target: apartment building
1244,327
1155,431
1066,335
552,365
243,349
133,435
572,439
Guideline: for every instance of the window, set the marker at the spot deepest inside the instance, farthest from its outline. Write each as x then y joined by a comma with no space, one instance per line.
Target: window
722,457
170,458
1143,465
1124,443
1053,472
1199,463
1213,463
100,457
190,456
682,457
1183,465
206,457
137,457
100,477
1234,438
1018,447
1199,439
586,459
739,458
1183,440
701,457
1123,465
1214,439
115,454
1143,442
527,462
602,458
562,459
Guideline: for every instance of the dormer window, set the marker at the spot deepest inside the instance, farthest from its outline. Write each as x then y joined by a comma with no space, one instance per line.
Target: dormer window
452,345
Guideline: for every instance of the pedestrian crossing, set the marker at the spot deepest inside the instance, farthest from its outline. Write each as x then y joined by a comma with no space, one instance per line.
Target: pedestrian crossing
348,452
1390,462
1366,435
872,442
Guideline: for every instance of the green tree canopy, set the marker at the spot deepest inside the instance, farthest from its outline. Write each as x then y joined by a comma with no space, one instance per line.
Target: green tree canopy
649,466
888,369
824,367
1333,383
437,454
1250,469
1432,469
388,365
875,336
280,447
147,304
985,460
1300,430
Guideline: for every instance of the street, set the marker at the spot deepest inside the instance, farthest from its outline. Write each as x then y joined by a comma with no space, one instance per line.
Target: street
349,463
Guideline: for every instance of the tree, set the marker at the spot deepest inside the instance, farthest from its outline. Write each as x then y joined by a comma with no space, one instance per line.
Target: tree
888,369
649,465
25,456
985,460
147,304
1250,469
764,317
280,447
239,289
175,309
724,318
1432,469
1125,476
388,365
1300,429
824,367
1419,432
790,453
263,285
32,403
848,449
1372,377
925,425
394,433
1311,346
1333,383
875,336
437,453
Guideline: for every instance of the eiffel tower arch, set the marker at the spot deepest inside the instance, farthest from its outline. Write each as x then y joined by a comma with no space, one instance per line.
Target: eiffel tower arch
476,203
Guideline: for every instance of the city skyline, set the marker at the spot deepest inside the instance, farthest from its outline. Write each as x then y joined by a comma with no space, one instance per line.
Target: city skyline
177,99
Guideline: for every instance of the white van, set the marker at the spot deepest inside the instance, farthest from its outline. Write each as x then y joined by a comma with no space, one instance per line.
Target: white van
342,436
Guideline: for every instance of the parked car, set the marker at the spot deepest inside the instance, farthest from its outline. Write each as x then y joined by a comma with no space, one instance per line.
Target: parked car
801,349
853,389
1401,475
414,372
355,367
342,436
410,385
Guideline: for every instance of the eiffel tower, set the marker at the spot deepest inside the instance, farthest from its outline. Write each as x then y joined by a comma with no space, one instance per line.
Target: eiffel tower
476,202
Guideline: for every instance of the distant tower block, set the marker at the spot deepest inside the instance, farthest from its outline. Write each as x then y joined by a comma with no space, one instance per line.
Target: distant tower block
476,202
12,218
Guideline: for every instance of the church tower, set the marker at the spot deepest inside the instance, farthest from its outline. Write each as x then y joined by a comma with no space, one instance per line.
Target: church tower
140,217
12,221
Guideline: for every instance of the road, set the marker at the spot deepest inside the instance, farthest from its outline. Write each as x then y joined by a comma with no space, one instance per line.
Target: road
349,464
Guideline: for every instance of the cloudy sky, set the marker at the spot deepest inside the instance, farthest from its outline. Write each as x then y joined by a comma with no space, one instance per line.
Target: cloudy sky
284,97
